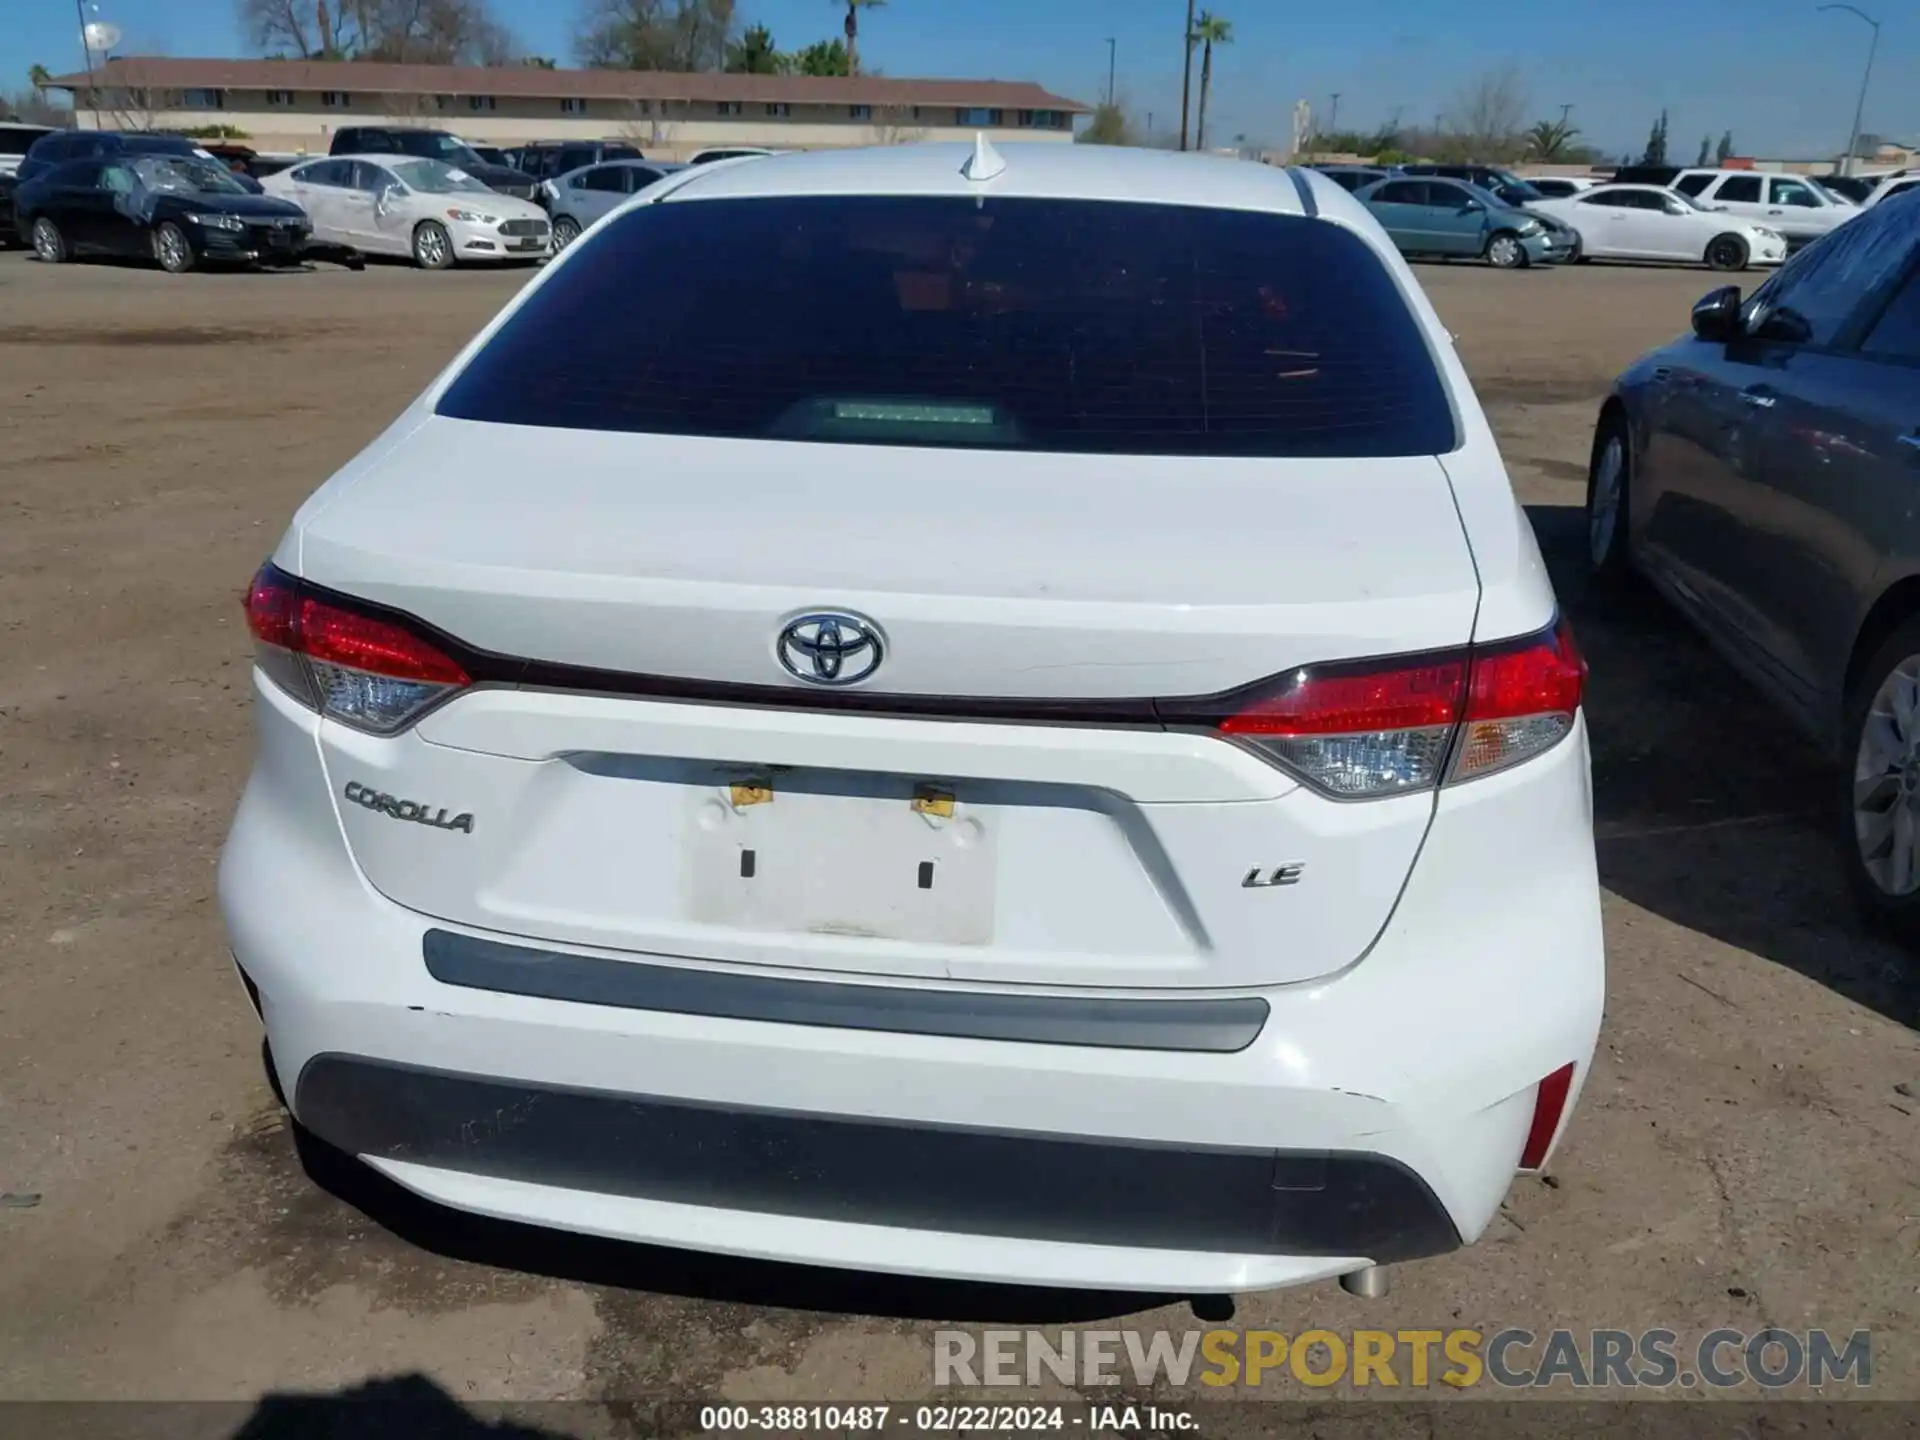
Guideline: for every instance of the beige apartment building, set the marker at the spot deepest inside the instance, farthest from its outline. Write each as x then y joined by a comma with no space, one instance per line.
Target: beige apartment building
296,105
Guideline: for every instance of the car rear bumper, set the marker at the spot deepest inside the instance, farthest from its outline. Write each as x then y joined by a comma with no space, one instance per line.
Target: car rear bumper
1376,1115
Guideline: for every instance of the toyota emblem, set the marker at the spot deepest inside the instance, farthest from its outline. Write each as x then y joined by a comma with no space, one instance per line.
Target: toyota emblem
830,648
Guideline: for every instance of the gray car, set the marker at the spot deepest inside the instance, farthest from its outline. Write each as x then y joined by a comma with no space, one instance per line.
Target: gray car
580,197
1761,472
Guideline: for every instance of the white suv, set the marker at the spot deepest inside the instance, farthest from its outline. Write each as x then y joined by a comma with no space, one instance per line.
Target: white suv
969,714
1790,204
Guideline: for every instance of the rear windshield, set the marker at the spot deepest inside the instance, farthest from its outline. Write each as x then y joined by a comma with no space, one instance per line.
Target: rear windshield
17,142
1021,324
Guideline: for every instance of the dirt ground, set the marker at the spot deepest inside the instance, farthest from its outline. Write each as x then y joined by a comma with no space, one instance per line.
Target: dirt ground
1742,1158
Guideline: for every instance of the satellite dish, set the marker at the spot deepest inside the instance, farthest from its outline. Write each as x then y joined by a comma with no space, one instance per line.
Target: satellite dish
100,36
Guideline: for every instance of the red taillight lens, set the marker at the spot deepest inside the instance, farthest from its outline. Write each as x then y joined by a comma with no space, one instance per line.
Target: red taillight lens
1549,1104
368,671
1386,727
1522,701
1342,700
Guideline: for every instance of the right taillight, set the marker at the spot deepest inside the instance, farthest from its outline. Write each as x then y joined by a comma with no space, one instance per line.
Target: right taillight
1521,701
1367,729
365,670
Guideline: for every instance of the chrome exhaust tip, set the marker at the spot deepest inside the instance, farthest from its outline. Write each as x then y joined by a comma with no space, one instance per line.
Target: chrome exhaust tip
1369,1284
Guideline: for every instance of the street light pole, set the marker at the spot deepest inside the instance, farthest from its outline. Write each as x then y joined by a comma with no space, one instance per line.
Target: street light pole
1109,70
1860,106
1186,74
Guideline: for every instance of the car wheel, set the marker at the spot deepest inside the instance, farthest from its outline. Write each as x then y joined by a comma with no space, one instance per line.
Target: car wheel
432,246
172,249
1880,828
1727,252
1609,472
48,243
1505,252
566,230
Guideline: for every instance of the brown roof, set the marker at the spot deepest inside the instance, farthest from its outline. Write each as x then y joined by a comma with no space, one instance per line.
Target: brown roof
532,82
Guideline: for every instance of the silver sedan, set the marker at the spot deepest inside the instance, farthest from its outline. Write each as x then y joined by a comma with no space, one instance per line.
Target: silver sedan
578,198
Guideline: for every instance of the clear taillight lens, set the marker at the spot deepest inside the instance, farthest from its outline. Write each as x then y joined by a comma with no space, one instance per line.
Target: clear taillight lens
364,670
1359,731
1368,729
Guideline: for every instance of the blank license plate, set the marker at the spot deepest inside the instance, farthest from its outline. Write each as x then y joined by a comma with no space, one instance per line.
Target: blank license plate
858,861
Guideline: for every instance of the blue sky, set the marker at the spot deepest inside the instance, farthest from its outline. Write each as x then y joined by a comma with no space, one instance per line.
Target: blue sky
1780,75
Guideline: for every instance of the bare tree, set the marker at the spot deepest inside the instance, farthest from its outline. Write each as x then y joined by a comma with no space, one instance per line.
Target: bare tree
894,125
1486,117
656,34
133,107
442,32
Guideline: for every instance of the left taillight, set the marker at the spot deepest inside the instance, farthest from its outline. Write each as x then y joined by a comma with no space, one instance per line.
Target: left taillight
362,669
1363,730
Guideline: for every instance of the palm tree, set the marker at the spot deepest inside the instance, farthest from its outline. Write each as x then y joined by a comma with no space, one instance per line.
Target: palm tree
39,76
1208,31
854,7
1549,140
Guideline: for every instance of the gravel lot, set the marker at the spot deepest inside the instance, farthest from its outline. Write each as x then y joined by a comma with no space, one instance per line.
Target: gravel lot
1742,1158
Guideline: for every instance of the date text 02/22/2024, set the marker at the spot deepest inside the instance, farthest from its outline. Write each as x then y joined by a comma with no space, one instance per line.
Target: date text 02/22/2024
943,1419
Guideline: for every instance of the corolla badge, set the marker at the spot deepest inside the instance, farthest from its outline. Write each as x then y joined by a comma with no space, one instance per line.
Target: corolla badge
830,647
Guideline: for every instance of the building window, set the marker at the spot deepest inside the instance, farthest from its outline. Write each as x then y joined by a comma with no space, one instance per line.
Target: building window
204,99
977,116
781,110
860,112
335,99
573,106
727,107
480,102
441,102
279,97
1042,119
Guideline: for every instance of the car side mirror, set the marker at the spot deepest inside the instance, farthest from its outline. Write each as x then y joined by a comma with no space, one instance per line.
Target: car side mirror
1716,316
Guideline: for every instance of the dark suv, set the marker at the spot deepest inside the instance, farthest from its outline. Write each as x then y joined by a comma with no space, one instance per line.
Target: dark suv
431,145
59,147
544,159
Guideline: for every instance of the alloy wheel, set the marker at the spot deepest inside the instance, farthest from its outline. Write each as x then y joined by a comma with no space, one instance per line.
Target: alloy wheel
172,248
565,232
1886,783
46,240
430,246
1603,511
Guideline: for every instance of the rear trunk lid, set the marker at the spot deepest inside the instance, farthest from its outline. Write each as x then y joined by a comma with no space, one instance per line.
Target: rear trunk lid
942,842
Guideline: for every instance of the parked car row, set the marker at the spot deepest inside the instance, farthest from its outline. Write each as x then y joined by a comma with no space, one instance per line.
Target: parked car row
1726,220
181,204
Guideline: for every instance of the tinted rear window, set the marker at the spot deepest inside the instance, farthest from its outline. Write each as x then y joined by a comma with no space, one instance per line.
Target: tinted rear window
1014,324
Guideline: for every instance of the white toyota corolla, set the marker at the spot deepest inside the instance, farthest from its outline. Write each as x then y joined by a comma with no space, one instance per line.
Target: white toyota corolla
967,713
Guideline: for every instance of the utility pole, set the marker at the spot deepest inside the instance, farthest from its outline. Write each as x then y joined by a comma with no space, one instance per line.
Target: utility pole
86,45
1109,71
1186,73
1853,140
1333,115
1565,111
